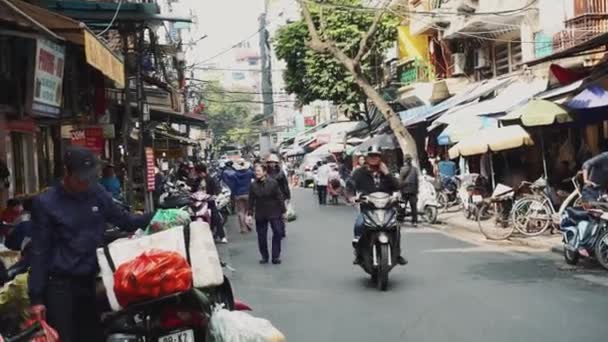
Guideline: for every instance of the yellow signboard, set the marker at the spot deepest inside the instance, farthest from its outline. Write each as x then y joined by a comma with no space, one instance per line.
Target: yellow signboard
101,58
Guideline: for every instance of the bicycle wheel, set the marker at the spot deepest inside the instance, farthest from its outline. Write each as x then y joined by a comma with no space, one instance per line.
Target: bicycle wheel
531,216
494,222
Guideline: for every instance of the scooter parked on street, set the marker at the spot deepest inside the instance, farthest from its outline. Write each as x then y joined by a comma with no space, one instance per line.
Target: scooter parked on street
585,233
427,205
378,248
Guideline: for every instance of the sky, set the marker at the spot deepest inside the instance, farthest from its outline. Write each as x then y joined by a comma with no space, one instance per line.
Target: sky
225,22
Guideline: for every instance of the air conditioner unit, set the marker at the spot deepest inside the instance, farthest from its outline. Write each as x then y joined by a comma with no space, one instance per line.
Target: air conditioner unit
459,63
481,58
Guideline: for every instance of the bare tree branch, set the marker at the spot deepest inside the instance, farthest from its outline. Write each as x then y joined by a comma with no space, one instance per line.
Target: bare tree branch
364,43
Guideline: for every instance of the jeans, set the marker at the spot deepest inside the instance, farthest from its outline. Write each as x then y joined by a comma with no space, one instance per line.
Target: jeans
412,199
261,226
72,308
359,227
591,193
322,192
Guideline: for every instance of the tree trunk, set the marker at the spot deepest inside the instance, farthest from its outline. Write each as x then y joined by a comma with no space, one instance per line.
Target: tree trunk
404,139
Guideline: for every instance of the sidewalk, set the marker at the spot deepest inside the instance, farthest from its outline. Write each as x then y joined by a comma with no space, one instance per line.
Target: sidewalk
452,222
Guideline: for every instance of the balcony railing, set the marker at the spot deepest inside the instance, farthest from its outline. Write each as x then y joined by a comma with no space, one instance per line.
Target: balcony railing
582,7
414,71
580,29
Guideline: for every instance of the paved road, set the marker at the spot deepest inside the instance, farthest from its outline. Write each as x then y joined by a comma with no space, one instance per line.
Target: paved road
451,290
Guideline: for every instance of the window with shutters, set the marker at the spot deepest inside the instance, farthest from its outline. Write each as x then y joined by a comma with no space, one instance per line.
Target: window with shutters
507,57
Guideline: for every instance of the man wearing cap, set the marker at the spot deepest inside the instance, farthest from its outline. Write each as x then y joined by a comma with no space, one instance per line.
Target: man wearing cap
69,221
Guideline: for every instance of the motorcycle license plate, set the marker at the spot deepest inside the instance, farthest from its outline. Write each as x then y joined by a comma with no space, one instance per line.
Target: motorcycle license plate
180,336
477,198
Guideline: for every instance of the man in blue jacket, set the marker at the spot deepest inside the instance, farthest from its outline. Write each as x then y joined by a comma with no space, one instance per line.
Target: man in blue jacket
239,186
69,221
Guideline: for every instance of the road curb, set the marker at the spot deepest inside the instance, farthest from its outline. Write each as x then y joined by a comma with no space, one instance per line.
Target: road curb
448,225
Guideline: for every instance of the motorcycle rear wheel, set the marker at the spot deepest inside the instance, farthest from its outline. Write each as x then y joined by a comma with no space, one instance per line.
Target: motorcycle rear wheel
383,268
430,213
601,250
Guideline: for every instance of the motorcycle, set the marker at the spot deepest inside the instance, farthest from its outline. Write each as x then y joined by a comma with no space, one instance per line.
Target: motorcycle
378,247
182,316
448,194
585,233
427,205
472,192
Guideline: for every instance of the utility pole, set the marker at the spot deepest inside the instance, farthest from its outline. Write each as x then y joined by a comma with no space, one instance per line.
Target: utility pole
267,96
126,118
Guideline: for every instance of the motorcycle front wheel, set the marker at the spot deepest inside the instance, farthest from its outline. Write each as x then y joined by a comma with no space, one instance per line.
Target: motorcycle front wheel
383,268
601,250
571,257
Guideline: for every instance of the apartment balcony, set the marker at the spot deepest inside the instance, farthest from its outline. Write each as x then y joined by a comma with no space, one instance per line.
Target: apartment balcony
590,19
585,7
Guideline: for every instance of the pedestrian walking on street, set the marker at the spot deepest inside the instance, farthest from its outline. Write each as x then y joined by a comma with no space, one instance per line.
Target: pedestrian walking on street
323,174
267,204
68,221
408,182
239,188
276,172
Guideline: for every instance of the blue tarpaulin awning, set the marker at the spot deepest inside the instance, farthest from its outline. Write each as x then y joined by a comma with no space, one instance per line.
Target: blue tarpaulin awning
470,93
592,97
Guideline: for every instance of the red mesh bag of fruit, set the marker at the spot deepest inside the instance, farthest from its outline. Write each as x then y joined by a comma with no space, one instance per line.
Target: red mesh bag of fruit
153,274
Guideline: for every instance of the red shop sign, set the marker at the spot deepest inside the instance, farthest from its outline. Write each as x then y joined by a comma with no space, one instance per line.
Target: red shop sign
150,168
90,137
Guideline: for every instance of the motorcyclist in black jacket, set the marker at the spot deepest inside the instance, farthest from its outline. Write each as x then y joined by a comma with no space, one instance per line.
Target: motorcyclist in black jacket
374,176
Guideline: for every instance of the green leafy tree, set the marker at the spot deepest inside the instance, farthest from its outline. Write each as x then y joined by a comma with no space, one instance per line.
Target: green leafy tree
314,76
341,46
227,112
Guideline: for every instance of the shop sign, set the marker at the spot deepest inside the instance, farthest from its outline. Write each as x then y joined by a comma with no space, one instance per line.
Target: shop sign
310,121
103,59
48,78
150,168
21,126
90,137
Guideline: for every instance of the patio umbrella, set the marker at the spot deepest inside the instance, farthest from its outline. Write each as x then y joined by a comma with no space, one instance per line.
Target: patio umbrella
539,113
492,140
384,141
467,126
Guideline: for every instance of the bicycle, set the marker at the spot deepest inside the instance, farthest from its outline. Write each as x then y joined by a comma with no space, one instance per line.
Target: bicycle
494,214
533,214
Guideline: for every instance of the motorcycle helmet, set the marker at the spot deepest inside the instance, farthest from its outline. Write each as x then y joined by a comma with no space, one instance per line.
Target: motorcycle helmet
273,158
374,150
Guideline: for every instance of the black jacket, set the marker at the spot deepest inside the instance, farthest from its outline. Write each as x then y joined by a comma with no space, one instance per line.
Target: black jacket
279,176
408,179
364,181
266,199
210,184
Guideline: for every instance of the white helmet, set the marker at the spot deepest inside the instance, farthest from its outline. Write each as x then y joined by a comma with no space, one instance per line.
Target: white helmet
273,158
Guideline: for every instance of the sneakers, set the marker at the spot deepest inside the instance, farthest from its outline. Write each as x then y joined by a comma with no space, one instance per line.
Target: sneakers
222,241
276,261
